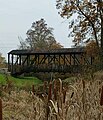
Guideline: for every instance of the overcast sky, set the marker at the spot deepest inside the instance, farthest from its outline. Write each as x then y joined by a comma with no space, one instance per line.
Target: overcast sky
16,17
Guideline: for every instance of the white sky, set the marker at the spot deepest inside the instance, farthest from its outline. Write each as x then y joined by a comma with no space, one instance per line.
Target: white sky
16,17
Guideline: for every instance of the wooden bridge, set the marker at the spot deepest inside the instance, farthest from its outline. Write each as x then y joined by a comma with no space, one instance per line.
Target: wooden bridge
64,60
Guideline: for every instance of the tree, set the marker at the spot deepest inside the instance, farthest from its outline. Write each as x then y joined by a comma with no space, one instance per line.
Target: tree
39,36
2,61
91,49
88,22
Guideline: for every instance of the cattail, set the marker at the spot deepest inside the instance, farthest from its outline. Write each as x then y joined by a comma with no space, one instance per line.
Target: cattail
72,94
60,82
49,98
45,86
58,108
83,84
99,90
60,100
64,95
55,90
50,91
101,99
33,89
0,109
55,94
55,84
83,98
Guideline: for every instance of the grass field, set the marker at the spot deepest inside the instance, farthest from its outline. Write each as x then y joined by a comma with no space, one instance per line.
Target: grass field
19,81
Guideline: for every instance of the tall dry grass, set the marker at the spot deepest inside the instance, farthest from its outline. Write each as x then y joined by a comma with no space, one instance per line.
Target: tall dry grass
0,109
81,100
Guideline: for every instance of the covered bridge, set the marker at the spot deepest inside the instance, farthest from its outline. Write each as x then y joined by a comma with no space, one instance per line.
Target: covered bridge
54,60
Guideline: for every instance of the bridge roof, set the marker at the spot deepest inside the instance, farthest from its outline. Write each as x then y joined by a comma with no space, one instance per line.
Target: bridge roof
52,51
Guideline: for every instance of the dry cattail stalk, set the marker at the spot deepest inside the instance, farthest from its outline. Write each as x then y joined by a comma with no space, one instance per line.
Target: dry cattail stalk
60,98
101,99
49,98
47,112
50,91
60,82
72,94
0,109
58,108
55,89
83,97
99,90
55,94
45,86
83,84
56,84
64,95
33,89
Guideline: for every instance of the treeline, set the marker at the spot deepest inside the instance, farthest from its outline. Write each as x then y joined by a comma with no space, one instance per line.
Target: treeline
3,62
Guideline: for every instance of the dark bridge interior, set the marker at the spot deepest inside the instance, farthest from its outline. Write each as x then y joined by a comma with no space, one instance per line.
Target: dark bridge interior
57,60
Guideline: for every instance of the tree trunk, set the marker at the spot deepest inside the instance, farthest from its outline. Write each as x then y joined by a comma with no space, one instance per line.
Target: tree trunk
101,53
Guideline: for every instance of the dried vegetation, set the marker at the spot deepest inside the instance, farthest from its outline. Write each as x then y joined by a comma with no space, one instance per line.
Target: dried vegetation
81,100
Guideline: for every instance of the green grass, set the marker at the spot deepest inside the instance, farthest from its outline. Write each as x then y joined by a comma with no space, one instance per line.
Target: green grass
2,79
20,81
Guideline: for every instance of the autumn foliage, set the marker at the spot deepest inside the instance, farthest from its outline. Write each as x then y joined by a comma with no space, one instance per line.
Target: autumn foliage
85,19
92,49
